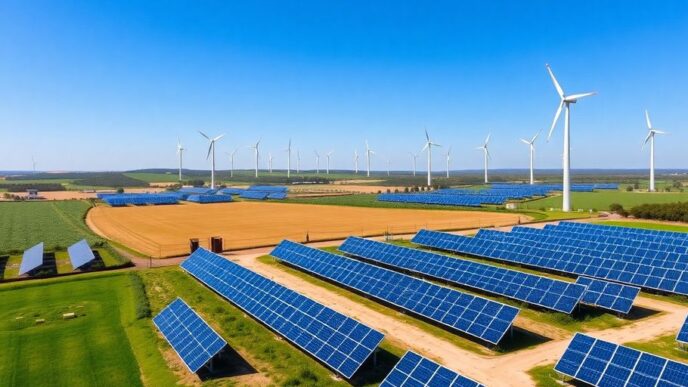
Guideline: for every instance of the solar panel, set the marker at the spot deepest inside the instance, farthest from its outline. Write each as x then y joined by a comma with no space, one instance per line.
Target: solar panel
536,290
189,335
31,259
80,254
682,336
416,370
476,316
340,342
608,295
601,363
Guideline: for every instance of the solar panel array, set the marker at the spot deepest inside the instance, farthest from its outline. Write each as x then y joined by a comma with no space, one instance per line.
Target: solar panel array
340,342
231,191
31,259
197,190
682,336
416,370
203,199
191,337
256,195
138,199
608,295
511,247
262,192
476,316
80,254
537,290
601,363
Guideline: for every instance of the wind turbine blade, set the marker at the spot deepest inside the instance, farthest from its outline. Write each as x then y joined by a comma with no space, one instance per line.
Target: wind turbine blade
210,148
525,142
647,118
576,97
435,144
556,118
480,148
489,156
487,140
659,131
218,137
536,136
647,138
554,80
427,136
204,135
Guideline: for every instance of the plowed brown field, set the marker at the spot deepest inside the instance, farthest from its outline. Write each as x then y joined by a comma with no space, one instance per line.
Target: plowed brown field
163,231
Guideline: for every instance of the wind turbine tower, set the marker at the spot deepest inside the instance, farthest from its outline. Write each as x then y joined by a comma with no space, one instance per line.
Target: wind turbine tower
270,162
651,132
486,155
231,158
428,145
289,159
565,101
256,153
317,162
180,153
448,160
328,155
298,161
356,161
414,159
211,151
369,152
531,146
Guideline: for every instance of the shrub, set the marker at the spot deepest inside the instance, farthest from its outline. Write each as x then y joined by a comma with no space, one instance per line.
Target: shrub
629,188
677,212
143,309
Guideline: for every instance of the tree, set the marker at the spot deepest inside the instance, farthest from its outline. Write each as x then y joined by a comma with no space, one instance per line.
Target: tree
629,188
120,190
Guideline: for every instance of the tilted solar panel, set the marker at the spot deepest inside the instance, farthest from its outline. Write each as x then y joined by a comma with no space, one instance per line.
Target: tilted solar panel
537,290
608,295
601,363
340,342
682,336
476,316
416,370
189,335
80,254
31,259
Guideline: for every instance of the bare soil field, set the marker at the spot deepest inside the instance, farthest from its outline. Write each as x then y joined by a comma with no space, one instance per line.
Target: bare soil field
164,231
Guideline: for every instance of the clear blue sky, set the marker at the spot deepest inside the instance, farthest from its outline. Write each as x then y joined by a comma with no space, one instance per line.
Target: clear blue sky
109,85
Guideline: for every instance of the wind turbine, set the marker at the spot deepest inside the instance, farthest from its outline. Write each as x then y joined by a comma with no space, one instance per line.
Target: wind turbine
231,158
566,100
298,161
428,145
328,155
33,163
317,162
368,153
255,149
180,151
448,160
270,162
414,158
486,154
651,138
388,162
356,161
288,150
531,145
211,150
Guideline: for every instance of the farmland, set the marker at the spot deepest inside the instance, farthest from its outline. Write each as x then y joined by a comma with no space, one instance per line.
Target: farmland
600,200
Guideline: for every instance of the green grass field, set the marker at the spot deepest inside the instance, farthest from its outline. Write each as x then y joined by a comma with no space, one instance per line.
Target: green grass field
56,223
92,349
601,200
646,225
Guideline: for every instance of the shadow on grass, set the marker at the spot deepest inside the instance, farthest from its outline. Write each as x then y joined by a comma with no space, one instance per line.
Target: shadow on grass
585,312
47,269
519,338
3,264
96,264
375,369
226,364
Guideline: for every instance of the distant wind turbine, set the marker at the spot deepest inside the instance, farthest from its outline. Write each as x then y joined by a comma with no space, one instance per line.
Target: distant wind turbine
356,161
288,150
256,153
317,162
486,155
231,158
388,162
531,146
269,162
211,151
180,151
298,161
448,160
428,145
33,163
368,153
651,132
328,155
414,158
566,100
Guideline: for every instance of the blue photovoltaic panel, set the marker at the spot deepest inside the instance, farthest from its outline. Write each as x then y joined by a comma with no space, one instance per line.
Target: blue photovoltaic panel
682,336
258,195
536,290
415,370
192,338
80,254
335,339
604,364
608,295
479,317
31,259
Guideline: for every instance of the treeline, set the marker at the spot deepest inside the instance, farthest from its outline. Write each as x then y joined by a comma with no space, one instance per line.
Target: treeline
677,212
20,187
89,179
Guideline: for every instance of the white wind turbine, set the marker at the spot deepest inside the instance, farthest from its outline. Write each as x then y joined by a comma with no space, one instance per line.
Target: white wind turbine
256,153
651,138
428,145
388,162
180,151
531,146
486,155
288,150
448,160
317,162
211,150
566,100
356,161
414,158
368,153
231,159
298,161
269,162
328,155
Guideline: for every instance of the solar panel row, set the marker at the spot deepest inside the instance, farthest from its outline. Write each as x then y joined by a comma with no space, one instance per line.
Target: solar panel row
604,364
682,336
203,199
340,342
80,254
415,370
479,317
32,259
537,290
608,295
189,335
119,200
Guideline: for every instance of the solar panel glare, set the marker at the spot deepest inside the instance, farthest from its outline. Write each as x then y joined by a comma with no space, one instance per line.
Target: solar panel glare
31,259
80,254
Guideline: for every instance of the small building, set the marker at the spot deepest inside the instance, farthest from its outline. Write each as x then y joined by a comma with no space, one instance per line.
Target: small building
32,194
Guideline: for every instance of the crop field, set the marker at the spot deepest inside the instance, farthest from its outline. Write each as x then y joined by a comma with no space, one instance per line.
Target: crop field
601,200
162,231
93,348
57,223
